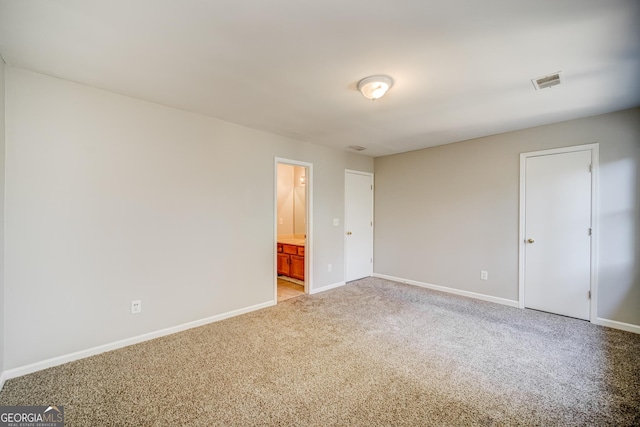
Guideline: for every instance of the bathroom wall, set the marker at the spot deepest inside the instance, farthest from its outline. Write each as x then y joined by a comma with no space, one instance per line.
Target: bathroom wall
291,200
299,201
285,199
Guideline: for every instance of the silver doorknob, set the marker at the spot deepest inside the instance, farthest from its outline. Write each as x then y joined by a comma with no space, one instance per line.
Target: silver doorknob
349,233
530,241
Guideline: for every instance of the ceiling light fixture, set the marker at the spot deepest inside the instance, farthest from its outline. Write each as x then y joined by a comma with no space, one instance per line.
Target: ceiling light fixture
356,147
375,87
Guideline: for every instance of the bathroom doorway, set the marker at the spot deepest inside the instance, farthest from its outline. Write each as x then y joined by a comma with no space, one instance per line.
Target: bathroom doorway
292,228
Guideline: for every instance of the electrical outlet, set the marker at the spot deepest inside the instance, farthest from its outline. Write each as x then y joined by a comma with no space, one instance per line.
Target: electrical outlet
136,306
484,275
280,221
329,268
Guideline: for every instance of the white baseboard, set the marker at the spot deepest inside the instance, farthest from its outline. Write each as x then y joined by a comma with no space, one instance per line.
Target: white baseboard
483,297
59,360
511,303
617,325
3,378
327,287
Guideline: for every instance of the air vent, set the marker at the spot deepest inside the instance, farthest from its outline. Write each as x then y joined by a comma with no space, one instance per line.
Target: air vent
548,81
356,147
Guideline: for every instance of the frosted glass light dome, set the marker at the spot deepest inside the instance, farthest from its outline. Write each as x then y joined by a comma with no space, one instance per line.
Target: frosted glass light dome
375,87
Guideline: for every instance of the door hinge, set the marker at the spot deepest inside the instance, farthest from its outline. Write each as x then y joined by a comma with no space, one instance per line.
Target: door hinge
589,294
590,168
590,231
372,186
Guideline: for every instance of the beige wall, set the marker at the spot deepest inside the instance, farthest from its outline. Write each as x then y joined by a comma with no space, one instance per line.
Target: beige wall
110,199
445,213
2,146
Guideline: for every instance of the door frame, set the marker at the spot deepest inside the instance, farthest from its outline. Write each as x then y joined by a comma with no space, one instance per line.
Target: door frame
344,222
594,148
308,244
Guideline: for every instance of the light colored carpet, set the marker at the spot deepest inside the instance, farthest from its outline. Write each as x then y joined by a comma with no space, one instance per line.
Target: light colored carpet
371,353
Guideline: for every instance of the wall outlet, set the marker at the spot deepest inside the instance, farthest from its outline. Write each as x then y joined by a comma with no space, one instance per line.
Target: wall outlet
136,306
280,221
329,268
484,275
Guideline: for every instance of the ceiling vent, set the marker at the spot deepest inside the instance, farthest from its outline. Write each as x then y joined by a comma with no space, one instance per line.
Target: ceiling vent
356,147
548,81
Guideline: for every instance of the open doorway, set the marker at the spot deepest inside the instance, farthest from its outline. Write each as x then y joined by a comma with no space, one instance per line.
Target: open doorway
292,228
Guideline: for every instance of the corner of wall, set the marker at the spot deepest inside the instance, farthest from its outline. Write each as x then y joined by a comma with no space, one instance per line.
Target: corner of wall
2,148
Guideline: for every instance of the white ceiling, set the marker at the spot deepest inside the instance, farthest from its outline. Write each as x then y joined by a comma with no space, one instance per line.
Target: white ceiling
462,68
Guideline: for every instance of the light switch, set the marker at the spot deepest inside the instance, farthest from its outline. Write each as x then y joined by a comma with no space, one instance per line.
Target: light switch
336,222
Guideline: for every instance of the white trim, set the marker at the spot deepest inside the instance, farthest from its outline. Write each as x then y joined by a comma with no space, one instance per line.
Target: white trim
328,287
521,225
308,249
3,378
617,325
344,222
483,297
511,303
595,230
59,360
594,148
359,172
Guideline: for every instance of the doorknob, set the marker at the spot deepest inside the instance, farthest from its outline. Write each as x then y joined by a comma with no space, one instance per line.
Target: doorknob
530,241
349,233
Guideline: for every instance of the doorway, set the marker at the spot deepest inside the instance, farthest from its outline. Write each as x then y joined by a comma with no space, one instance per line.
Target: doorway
358,223
557,231
292,229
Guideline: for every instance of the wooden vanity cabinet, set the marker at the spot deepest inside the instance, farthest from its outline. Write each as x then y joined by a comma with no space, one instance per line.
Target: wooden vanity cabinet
283,265
291,261
297,267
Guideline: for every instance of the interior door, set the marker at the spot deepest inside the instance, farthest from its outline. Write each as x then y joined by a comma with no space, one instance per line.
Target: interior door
358,225
557,275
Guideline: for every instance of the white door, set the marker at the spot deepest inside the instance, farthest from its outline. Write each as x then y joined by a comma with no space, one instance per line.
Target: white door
557,236
358,224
